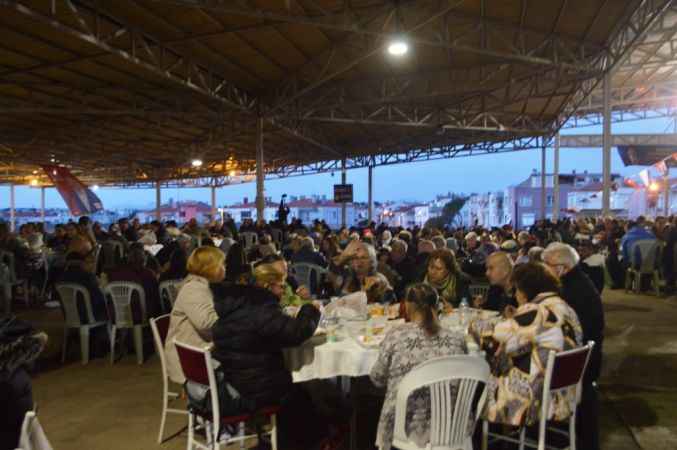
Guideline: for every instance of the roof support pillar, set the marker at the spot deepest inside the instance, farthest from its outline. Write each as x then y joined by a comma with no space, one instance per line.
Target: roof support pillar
260,174
213,189
543,182
12,211
370,210
667,191
42,205
606,150
555,182
158,201
343,181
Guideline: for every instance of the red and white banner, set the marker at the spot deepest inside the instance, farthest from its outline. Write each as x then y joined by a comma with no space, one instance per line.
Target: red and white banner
78,197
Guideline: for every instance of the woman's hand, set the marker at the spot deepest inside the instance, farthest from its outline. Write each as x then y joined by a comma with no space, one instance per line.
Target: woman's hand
509,312
303,292
478,301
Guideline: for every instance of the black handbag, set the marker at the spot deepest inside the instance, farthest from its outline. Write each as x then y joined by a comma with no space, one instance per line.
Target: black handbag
231,403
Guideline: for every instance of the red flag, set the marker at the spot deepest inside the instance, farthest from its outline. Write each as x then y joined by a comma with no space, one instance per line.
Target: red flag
78,197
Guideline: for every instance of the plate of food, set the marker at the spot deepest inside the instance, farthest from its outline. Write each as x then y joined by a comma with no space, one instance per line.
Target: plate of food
370,342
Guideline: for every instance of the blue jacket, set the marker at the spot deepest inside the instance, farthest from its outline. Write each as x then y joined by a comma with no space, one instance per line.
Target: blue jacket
637,233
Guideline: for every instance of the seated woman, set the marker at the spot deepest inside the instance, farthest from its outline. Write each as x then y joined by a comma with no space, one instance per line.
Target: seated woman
193,313
238,270
293,293
518,347
404,348
361,271
445,276
249,335
75,272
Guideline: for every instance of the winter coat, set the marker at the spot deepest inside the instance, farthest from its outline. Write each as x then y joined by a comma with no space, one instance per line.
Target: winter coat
580,293
249,336
19,347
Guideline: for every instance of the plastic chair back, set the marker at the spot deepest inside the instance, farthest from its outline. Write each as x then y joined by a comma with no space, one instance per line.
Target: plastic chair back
160,328
479,289
644,254
121,294
451,420
249,239
112,252
32,435
169,289
565,370
69,293
308,274
277,235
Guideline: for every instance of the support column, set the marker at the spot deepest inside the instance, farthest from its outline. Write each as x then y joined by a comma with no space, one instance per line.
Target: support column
42,204
158,201
543,182
343,181
667,191
213,203
606,150
370,210
260,200
12,211
555,182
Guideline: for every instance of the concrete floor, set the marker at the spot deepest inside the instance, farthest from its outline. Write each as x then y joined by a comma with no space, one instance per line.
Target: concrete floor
102,407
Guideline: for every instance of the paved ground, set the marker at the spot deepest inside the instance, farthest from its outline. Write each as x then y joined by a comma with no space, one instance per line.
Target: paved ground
102,407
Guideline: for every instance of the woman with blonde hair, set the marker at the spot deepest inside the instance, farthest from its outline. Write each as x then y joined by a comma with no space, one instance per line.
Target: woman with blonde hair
193,313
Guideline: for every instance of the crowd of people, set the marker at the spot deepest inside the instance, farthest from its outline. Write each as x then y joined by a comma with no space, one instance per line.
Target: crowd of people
545,282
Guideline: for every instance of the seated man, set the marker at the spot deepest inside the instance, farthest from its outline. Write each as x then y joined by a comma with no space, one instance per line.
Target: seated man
501,293
636,232
401,263
75,272
307,254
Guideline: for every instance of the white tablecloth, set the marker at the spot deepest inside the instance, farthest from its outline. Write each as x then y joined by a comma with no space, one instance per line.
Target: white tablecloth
319,359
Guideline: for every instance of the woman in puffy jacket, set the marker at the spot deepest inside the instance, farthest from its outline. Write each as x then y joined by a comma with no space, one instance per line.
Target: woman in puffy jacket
20,345
249,335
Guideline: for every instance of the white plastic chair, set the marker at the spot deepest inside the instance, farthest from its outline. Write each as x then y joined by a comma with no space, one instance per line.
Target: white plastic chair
478,289
197,367
451,425
32,435
309,275
68,295
564,370
278,236
649,252
121,293
249,239
169,290
8,258
160,327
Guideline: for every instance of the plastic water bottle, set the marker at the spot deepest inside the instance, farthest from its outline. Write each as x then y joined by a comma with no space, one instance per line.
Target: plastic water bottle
463,310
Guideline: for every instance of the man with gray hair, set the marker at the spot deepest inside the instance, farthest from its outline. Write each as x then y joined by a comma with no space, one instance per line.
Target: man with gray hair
402,264
307,253
580,293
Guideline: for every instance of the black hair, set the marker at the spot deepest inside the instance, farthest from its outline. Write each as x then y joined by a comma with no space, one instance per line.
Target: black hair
425,300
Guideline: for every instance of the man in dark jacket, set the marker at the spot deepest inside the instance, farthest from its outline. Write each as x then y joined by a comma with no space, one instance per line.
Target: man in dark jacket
307,254
403,264
19,347
580,293
500,294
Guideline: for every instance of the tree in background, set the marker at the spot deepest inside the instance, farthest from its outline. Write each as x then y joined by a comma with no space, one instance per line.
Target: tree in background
450,213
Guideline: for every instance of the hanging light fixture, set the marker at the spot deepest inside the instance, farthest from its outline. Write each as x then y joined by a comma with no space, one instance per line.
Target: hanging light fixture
95,187
398,45
196,162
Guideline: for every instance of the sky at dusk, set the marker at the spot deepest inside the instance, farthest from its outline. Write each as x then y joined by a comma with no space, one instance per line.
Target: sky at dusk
416,181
